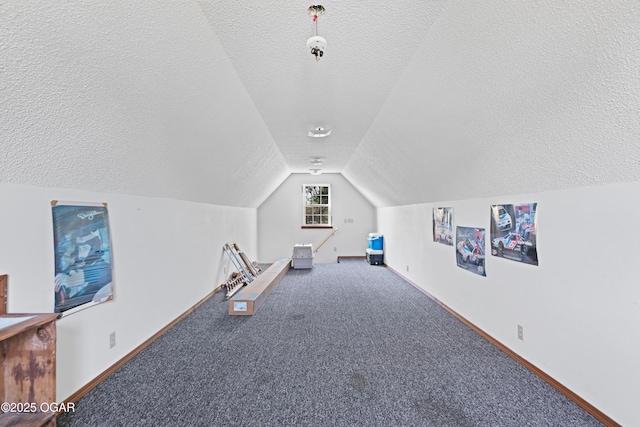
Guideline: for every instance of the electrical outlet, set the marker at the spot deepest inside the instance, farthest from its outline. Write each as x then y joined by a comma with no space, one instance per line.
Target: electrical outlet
520,333
335,249
407,268
112,340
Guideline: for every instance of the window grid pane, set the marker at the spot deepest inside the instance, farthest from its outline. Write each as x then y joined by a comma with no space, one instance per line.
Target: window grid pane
317,205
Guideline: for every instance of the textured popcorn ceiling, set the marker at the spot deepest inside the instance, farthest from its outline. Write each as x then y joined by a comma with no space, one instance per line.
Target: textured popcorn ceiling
128,97
510,98
432,101
211,100
368,46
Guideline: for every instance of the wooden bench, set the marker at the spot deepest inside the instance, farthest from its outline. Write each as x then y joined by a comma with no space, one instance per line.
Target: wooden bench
247,301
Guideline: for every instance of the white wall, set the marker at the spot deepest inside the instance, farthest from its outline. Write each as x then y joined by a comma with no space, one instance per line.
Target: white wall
167,256
580,308
104,99
280,220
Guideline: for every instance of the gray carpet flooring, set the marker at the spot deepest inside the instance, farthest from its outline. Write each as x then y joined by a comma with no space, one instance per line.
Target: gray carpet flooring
345,344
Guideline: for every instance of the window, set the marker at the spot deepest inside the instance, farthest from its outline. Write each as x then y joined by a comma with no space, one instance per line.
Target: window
316,205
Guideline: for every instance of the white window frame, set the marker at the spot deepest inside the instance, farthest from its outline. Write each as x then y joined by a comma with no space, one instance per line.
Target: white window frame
307,204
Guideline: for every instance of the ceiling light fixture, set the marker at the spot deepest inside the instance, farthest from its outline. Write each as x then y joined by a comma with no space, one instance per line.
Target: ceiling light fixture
319,132
315,171
316,162
317,44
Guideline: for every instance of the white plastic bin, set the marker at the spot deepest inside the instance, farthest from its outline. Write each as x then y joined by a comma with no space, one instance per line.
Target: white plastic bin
302,256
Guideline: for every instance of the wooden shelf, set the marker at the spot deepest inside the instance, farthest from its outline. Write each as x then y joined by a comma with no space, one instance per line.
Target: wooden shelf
28,367
40,419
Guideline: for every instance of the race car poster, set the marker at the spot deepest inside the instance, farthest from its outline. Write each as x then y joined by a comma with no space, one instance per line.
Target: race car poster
443,226
513,232
82,246
470,249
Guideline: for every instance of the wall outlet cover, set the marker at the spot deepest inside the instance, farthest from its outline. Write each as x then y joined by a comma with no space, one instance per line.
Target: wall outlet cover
520,333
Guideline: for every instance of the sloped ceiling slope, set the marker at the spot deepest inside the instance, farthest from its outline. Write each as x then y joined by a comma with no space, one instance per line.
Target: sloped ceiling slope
509,98
368,46
129,97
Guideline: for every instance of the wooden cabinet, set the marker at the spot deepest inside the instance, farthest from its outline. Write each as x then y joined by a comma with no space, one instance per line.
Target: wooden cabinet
28,377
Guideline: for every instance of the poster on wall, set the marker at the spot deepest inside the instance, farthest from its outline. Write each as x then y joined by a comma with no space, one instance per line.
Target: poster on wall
513,232
82,249
443,225
470,249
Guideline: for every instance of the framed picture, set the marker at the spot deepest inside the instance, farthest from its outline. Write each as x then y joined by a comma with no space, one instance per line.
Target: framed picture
82,247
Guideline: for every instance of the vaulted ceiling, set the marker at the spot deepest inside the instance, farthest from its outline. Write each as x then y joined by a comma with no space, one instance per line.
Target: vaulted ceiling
369,46
417,91
211,100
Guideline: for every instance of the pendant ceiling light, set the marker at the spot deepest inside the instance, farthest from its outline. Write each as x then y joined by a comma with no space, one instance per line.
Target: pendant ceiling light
317,44
319,132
